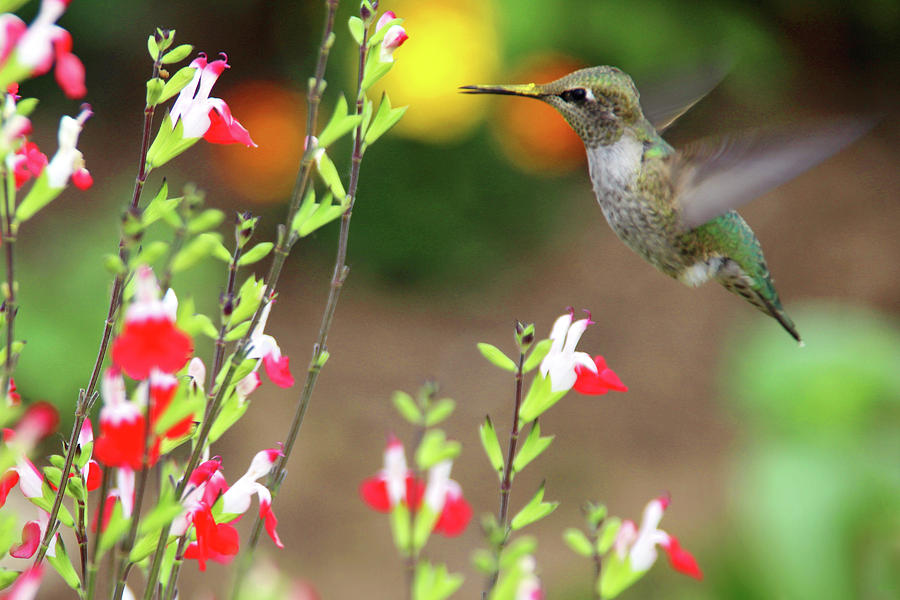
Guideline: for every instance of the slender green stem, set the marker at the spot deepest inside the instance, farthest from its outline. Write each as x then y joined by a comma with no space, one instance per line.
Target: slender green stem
227,298
506,484
176,567
9,302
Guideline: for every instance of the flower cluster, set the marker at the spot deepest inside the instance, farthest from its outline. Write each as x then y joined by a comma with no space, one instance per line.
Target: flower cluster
29,51
395,486
214,537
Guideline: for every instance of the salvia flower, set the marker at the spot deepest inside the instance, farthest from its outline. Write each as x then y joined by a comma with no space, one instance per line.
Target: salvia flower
634,550
394,484
150,340
215,541
236,499
123,430
445,498
26,585
264,348
393,38
68,162
561,361
32,51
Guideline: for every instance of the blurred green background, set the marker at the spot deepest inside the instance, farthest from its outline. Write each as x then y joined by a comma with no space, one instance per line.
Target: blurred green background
782,463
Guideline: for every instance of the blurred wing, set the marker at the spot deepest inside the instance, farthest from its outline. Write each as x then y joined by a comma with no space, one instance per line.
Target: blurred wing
663,102
715,176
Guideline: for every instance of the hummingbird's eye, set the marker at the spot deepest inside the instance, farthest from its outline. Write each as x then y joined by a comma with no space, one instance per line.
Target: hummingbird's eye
576,95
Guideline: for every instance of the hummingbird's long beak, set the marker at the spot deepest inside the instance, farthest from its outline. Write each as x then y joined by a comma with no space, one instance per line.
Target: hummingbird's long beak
528,90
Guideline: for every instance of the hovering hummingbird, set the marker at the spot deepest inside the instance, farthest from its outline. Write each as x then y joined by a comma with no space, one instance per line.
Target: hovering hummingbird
675,207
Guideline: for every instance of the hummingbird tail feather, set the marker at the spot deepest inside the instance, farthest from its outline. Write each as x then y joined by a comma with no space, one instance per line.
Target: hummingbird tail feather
771,306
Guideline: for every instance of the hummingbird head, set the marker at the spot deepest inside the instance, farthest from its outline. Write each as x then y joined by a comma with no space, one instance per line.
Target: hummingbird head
597,102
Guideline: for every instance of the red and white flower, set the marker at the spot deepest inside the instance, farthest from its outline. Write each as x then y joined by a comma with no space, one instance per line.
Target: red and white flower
29,52
202,116
562,359
393,38
394,484
638,546
265,349
236,499
596,383
445,498
150,340
68,162
122,427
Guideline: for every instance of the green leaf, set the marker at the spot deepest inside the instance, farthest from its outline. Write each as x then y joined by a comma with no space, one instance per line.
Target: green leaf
152,48
535,510
176,83
221,252
375,70
435,448
439,411
491,445
539,398
357,29
248,300
407,408
208,219
26,106
533,446
232,410
256,253
177,54
595,513
496,357
160,205
578,542
115,529
385,118
155,89
150,253
327,171
339,125
537,355
608,534
39,196
199,248
7,577
517,549
434,583
238,331
484,562
325,212
62,565
400,528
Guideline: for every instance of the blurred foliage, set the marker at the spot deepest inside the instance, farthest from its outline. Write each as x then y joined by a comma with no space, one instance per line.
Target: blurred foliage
816,494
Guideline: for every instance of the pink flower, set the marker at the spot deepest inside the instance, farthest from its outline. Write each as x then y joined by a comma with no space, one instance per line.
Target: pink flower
43,43
561,361
149,339
639,545
202,116
393,38
596,383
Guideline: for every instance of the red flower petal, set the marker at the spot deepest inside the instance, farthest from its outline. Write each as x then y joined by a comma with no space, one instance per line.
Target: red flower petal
373,491
595,384
69,75
31,537
148,343
454,517
278,370
7,482
682,560
94,475
215,541
266,513
224,128
122,444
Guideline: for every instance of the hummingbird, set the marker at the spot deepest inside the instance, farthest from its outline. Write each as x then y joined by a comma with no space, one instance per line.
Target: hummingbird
675,208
